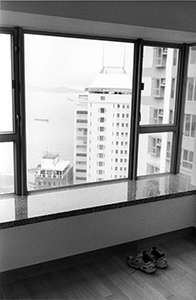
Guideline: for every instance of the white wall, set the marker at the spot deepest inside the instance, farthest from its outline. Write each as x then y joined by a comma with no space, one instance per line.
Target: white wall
30,244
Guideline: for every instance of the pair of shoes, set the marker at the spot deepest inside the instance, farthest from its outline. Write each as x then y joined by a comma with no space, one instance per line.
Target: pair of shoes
142,261
160,259
148,261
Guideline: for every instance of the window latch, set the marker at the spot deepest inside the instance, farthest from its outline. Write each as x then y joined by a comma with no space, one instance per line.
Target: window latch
17,120
139,116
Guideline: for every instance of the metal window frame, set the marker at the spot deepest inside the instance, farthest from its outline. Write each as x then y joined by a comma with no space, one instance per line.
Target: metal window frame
19,137
176,127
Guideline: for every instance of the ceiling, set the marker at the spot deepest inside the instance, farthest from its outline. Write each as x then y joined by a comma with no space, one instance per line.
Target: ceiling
172,15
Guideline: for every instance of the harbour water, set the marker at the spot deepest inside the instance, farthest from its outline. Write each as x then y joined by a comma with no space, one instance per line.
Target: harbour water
50,125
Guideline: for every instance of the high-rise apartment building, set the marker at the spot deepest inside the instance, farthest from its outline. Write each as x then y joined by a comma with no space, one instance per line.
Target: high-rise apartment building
103,119
102,128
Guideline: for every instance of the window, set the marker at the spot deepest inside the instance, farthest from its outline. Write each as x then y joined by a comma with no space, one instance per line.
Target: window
156,116
65,119
175,57
82,112
189,135
101,128
151,169
153,151
81,146
7,126
160,57
191,89
192,56
168,153
173,88
171,116
187,159
189,125
81,121
62,125
158,87
102,120
81,170
101,147
154,145
100,172
101,138
102,110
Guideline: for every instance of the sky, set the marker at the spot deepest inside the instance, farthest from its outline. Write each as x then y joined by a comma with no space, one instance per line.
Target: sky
71,62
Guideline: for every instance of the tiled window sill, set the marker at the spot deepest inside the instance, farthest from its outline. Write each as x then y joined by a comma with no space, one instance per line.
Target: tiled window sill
16,211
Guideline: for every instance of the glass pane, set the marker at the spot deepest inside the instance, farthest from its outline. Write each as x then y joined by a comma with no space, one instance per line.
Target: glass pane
188,157
154,153
6,168
78,106
159,78
6,118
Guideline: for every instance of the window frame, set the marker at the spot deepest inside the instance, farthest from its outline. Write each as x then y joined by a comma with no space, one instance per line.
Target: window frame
19,136
176,127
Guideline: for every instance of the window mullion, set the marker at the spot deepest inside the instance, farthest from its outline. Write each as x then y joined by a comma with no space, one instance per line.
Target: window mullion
179,109
135,114
20,144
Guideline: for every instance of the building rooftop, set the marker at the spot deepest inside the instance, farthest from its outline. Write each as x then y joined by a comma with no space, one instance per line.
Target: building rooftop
111,80
59,166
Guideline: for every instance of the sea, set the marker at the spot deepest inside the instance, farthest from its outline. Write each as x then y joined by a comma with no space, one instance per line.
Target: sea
50,121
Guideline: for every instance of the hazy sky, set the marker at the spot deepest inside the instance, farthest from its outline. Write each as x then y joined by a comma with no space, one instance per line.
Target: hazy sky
57,61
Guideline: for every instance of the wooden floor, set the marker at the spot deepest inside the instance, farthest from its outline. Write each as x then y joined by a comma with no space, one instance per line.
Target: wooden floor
110,278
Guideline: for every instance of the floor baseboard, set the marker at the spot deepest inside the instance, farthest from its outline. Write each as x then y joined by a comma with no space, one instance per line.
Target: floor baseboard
55,265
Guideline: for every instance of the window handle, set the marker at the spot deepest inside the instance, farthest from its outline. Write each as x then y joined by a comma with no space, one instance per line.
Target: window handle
142,86
18,120
139,116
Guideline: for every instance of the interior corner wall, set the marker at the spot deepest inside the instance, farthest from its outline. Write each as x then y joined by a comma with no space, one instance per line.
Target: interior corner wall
41,242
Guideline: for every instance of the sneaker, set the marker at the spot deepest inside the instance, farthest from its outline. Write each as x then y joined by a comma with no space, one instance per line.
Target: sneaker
142,261
160,259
